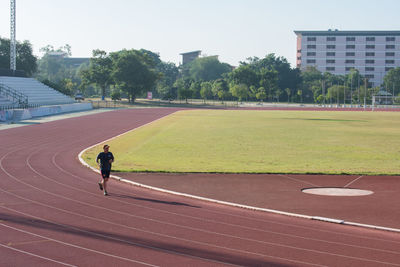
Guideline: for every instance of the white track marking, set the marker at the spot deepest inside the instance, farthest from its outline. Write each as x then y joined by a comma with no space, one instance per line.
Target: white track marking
38,256
252,219
76,246
353,181
297,180
235,250
211,232
238,251
248,228
233,225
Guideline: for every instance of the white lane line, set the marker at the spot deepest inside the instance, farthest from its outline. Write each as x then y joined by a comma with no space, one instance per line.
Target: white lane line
218,222
217,246
76,246
353,181
159,249
350,223
128,227
38,256
298,180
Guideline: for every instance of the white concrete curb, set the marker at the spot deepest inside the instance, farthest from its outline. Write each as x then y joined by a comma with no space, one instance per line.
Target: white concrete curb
318,218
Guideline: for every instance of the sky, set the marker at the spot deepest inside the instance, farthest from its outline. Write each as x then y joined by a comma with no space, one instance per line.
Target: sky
232,29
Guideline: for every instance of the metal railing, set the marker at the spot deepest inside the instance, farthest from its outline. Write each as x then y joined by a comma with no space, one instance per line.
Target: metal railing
18,99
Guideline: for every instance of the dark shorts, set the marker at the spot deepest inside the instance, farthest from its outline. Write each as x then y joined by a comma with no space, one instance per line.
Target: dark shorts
105,174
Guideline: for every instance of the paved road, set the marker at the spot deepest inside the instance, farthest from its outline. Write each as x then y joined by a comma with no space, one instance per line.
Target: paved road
53,214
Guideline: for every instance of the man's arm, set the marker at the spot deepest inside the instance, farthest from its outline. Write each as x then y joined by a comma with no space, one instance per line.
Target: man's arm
97,160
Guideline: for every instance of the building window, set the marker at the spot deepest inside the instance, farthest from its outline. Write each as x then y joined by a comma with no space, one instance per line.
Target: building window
350,54
370,54
330,68
350,61
370,46
298,50
311,54
331,46
388,68
350,39
349,68
310,60
330,54
298,58
369,61
389,46
369,76
389,54
311,46
330,61
350,46
369,39
331,38
389,61
390,39
311,39
369,68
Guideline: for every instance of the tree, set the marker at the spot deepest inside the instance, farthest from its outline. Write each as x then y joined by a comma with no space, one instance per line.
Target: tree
220,89
169,74
25,59
195,88
261,94
99,71
240,91
206,69
311,82
133,71
286,76
392,81
206,90
269,80
288,92
51,68
335,93
65,86
116,95
245,74
300,93
183,86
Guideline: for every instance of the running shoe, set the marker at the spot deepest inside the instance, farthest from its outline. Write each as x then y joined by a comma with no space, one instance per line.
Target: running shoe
101,186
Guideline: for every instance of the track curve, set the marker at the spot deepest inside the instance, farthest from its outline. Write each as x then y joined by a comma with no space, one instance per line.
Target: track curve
52,213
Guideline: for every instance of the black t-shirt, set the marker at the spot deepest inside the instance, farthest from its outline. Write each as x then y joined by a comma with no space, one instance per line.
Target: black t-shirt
105,160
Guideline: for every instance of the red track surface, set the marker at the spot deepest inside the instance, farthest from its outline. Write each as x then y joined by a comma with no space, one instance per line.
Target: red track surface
52,213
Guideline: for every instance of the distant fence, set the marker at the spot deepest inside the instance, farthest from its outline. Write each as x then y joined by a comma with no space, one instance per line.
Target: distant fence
12,73
198,103
18,106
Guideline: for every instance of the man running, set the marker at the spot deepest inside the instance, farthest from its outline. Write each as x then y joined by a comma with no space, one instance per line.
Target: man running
104,160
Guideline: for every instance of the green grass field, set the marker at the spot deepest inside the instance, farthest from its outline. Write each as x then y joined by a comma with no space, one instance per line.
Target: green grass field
240,141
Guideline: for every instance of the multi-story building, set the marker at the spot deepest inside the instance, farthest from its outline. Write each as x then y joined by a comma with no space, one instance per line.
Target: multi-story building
190,56
373,53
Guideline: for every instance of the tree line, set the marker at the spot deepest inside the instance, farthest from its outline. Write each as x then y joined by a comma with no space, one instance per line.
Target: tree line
131,73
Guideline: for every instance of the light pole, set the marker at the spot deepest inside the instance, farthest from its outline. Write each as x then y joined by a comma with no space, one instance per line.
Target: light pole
13,50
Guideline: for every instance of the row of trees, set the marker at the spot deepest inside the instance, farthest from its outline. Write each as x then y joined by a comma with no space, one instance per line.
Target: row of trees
130,73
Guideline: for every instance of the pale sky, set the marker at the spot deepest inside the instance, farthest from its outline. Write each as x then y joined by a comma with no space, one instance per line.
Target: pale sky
232,29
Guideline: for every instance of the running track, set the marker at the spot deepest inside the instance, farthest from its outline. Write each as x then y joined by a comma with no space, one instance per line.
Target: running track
53,214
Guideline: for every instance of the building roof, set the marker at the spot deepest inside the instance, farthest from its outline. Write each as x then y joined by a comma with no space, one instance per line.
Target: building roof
193,52
349,33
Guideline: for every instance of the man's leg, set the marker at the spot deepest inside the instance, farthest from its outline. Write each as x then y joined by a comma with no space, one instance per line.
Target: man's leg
101,183
105,180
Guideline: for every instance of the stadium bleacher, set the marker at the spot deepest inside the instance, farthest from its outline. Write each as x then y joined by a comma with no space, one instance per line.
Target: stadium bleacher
5,102
37,92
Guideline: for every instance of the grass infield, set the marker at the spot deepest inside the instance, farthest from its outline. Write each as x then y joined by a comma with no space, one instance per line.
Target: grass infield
257,141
